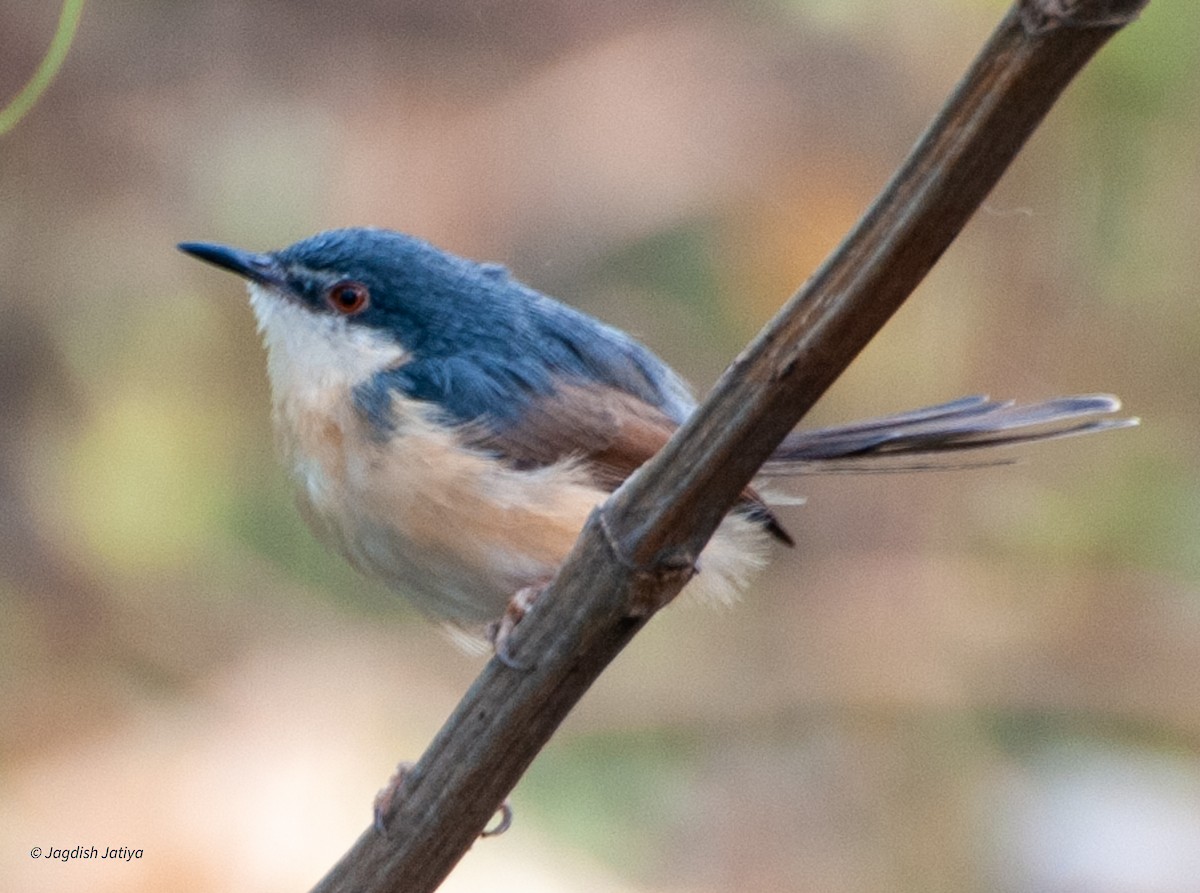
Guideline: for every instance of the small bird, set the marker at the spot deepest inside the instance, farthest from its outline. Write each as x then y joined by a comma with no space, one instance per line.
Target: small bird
450,429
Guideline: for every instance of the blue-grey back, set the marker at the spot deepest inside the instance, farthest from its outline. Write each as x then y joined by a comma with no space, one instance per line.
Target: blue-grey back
482,345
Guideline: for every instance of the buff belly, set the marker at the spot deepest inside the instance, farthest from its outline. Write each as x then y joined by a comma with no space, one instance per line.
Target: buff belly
454,529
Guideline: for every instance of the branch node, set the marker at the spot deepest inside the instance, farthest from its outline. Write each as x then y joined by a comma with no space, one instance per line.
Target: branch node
614,547
669,567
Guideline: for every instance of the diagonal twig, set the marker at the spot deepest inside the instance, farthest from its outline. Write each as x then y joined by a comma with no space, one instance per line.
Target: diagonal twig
638,549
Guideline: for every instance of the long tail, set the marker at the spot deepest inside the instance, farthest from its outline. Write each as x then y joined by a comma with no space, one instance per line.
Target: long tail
931,437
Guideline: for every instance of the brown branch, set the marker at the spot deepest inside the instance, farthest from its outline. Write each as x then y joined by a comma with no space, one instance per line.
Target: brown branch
637,550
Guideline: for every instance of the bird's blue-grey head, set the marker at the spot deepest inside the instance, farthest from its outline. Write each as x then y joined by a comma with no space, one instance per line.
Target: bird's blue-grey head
387,313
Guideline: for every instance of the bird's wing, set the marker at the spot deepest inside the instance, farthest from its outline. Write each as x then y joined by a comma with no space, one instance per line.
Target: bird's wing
528,414
610,429
612,432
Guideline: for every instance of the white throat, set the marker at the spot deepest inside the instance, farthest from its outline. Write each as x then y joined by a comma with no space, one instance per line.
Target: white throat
308,353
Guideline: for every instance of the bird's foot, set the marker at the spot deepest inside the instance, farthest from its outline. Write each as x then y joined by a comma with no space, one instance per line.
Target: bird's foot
499,633
388,799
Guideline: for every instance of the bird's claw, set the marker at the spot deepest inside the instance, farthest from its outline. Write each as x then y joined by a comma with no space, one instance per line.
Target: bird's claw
388,799
506,819
500,632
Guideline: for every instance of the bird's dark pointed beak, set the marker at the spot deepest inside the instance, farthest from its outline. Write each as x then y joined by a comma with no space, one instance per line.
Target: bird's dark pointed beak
261,268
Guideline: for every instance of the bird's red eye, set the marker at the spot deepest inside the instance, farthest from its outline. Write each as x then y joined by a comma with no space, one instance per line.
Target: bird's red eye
348,297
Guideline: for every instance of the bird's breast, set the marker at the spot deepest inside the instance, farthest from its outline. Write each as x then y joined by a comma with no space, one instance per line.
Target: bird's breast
456,529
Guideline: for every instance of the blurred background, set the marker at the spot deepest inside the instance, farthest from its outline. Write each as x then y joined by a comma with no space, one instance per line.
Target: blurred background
986,680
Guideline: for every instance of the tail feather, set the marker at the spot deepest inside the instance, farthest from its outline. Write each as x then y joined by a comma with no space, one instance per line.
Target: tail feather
930,437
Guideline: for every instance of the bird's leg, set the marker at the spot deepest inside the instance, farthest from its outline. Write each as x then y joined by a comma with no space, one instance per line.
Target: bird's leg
500,632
